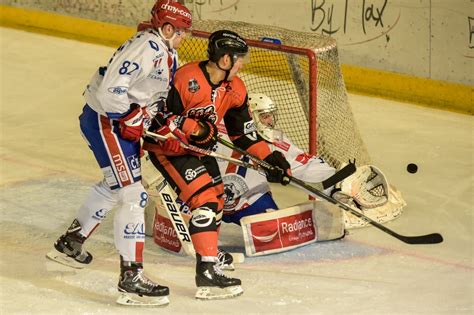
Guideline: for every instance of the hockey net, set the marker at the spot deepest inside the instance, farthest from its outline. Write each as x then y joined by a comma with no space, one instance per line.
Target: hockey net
303,77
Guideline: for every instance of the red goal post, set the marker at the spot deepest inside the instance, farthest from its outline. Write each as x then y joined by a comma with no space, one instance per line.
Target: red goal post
301,73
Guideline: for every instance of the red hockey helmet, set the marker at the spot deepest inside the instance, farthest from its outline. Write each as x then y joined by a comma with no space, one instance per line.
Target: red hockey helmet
169,11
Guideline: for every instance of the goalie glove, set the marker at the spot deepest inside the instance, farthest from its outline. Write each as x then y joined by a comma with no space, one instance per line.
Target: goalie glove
281,168
131,125
367,187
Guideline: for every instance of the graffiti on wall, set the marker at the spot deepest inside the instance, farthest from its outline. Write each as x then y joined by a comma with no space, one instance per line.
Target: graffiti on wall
366,18
218,6
471,31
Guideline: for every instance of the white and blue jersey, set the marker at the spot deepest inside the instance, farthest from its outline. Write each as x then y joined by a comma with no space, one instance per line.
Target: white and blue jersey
140,72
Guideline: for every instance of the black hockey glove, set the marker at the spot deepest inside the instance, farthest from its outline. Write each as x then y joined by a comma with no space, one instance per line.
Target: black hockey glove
281,168
204,135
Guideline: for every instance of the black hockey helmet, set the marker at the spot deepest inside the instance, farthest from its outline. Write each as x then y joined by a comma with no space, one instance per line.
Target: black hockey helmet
226,42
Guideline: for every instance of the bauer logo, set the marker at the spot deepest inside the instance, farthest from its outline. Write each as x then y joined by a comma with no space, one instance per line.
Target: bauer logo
285,232
119,90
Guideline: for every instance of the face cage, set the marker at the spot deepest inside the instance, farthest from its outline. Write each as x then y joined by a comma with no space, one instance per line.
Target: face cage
272,111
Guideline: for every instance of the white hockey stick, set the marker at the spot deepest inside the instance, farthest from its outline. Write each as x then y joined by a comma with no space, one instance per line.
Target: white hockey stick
179,225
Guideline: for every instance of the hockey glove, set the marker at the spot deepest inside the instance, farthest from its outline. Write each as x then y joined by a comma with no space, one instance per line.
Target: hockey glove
131,126
204,134
172,145
281,168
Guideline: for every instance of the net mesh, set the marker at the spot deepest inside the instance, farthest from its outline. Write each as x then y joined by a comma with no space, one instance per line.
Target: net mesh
285,77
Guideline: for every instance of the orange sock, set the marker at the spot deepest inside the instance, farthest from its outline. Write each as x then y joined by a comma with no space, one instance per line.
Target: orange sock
205,243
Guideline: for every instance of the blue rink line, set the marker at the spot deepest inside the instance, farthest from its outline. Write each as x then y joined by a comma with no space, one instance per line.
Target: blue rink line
317,252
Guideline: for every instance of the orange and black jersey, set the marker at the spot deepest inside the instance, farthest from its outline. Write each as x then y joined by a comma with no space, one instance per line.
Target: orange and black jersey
193,95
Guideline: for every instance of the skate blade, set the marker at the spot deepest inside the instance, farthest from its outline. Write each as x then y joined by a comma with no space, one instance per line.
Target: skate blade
214,293
228,267
131,299
63,259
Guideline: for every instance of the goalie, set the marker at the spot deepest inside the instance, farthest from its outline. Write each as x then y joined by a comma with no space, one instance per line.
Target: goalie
248,197
247,193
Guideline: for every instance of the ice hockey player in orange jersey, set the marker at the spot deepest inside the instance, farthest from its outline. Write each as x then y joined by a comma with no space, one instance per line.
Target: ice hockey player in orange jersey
204,94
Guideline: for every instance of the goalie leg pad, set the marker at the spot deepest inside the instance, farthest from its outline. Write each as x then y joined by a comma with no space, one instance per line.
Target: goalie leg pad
289,228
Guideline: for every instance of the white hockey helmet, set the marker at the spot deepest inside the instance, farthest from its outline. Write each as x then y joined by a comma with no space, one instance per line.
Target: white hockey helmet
264,114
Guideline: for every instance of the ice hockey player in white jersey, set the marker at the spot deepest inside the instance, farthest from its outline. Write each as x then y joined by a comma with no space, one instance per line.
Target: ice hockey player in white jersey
246,191
120,99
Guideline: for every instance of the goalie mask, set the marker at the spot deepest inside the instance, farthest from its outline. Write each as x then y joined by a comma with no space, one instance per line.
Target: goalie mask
264,114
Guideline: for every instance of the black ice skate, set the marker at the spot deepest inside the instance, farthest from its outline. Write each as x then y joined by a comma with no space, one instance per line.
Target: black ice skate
69,249
212,283
138,290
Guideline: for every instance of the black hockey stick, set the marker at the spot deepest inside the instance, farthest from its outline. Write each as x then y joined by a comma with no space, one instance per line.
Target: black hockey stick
203,151
433,238
340,175
337,177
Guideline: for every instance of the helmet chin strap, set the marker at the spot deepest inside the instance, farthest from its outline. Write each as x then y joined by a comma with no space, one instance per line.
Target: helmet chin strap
169,41
227,72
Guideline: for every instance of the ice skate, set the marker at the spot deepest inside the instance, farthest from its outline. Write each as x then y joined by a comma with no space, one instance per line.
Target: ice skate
212,283
69,249
137,290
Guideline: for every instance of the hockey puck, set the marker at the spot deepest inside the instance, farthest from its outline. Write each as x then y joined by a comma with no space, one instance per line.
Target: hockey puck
412,168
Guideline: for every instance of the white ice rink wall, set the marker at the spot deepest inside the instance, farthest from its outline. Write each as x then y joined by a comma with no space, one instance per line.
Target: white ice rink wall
416,50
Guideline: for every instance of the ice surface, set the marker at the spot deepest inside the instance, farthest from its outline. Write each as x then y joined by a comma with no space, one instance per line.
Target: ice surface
46,171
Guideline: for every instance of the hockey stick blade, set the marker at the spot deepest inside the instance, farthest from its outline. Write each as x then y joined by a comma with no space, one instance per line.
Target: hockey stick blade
433,238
